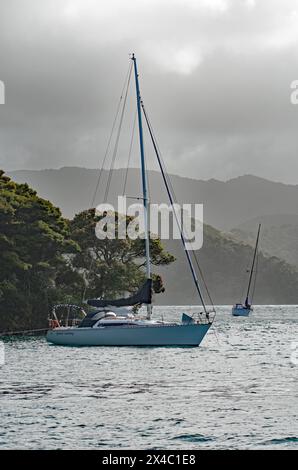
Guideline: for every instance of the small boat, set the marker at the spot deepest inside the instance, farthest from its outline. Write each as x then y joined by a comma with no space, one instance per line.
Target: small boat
244,309
113,322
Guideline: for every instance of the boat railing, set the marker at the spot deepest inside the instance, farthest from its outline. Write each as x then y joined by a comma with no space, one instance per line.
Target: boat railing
66,315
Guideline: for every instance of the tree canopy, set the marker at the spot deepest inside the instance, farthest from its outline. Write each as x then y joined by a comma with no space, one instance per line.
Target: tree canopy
112,266
47,259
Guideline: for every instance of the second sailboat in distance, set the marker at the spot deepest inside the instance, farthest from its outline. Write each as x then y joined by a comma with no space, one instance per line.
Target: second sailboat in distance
244,309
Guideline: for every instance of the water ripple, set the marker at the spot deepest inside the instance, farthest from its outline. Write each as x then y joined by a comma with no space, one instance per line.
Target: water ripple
237,391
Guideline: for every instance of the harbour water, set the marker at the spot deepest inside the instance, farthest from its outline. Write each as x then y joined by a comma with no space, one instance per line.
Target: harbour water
238,390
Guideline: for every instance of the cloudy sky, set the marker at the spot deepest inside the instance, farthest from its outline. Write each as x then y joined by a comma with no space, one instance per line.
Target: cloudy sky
215,77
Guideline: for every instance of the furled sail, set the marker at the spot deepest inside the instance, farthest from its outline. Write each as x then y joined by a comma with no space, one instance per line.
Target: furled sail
143,296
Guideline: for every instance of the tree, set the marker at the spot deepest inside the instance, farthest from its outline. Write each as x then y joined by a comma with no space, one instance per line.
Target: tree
112,267
34,243
46,259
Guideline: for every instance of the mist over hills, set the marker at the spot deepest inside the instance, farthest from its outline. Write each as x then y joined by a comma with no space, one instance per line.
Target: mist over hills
232,211
224,263
279,235
226,204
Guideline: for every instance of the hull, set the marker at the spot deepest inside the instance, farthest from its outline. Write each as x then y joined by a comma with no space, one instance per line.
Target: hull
241,311
161,335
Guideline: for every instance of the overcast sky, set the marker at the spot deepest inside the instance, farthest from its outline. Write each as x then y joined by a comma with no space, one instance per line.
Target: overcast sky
215,77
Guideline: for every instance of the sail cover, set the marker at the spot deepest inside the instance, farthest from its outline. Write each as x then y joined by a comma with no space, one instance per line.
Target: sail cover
143,296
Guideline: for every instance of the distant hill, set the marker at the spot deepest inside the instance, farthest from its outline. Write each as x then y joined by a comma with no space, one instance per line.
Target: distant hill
226,204
279,235
224,263
224,257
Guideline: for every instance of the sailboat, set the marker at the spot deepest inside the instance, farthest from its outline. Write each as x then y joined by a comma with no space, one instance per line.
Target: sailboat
244,309
113,322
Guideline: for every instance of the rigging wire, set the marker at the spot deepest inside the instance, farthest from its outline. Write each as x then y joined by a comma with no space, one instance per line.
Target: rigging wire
130,152
171,200
117,138
255,278
253,261
244,283
165,175
124,89
149,186
204,280
170,186
110,136
175,200
194,253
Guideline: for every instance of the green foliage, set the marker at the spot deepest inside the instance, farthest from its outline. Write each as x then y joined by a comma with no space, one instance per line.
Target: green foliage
116,264
46,259
34,239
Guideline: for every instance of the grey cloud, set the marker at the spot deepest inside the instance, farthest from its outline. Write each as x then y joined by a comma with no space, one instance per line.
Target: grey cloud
215,78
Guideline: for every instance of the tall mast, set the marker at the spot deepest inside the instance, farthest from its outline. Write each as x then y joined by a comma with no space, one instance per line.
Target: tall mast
144,179
253,264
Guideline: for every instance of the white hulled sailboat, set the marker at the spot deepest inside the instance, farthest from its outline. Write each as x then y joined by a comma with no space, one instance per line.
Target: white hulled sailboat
113,322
